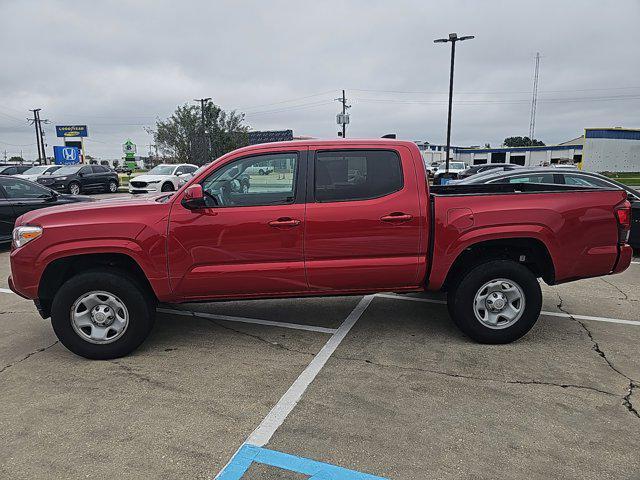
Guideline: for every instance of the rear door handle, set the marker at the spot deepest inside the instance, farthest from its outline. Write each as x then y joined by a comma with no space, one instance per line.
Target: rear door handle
284,222
396,217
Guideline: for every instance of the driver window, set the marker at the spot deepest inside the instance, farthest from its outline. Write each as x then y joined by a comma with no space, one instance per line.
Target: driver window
258,180
15,188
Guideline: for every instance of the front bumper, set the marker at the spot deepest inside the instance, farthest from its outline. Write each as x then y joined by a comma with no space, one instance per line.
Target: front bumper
149,188
58,186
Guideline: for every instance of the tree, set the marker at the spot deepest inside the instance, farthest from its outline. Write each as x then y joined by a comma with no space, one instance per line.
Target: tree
522,142
16,159
116,163
184,137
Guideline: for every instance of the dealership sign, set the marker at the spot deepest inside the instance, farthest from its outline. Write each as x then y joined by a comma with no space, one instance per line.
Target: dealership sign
71,130
66,155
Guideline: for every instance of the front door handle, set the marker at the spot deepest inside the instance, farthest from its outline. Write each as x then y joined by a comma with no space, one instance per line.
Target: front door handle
284,222
396,217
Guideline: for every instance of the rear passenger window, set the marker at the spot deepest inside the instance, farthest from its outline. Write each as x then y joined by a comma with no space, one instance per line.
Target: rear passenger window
356,175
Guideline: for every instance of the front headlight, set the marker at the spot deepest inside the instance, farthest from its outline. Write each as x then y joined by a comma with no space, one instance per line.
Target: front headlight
154,181
24,234
61,178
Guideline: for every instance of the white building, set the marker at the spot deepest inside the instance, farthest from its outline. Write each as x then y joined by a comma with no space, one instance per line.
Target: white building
598,150
611,150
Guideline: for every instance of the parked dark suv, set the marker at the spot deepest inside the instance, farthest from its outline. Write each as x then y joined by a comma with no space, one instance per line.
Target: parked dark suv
76,179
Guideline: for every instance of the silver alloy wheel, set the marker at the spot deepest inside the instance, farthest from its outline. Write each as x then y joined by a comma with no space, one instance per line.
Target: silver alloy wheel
74,188
113,187
499,303
99,317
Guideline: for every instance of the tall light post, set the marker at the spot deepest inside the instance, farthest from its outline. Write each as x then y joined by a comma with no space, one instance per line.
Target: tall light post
453,38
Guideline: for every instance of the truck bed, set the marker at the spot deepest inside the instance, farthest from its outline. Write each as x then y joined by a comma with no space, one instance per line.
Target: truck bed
576,225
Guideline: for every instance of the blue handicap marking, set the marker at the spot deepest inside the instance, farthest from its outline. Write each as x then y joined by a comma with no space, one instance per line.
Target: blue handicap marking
248,454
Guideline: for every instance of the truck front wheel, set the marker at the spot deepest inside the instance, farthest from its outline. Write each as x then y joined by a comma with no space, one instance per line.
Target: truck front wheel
102,314
495,302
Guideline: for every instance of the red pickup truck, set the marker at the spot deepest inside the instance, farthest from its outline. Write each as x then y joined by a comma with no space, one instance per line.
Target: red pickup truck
330,218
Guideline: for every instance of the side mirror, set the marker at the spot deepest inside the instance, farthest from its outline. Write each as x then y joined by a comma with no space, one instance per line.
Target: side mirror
193,198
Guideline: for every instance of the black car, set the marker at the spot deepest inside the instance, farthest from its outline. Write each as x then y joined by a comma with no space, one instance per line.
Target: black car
18,196
485,167
561,176
13,169
77,179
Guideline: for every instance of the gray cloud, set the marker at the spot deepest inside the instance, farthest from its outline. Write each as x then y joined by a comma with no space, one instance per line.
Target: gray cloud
117,66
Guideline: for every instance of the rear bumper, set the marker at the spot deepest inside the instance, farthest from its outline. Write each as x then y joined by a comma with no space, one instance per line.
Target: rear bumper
624,259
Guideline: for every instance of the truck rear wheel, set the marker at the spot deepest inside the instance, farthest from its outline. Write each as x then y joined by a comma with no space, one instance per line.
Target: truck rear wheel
495,302
102,314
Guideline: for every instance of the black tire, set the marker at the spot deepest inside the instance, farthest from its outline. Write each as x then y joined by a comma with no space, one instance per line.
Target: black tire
138,301
462,294
112,186
167,187
72,186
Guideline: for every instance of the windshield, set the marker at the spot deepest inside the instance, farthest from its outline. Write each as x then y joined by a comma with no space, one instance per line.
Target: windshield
67,170
35,170
456,165
162,170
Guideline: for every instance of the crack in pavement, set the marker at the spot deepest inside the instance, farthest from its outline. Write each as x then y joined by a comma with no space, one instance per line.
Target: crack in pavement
144,378
473,377
625,296
28,356
257,337
626,400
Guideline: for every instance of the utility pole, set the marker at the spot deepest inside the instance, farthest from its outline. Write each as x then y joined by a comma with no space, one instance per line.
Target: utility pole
534,99
36,122
44,150
453,38
343,119
205,137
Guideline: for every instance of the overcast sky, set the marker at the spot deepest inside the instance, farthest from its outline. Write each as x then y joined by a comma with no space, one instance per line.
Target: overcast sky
116,66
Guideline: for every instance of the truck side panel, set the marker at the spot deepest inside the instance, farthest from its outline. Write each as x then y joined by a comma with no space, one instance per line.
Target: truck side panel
578,229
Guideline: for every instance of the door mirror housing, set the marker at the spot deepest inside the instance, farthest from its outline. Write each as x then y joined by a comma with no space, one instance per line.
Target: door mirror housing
193,198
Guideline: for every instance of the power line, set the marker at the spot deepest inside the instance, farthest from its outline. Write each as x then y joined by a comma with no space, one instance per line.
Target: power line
506,92
286,101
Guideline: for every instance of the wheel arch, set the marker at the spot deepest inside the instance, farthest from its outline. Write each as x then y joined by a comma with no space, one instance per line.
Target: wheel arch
61,269
528,251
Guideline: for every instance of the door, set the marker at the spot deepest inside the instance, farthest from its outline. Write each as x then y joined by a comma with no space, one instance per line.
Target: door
101,176
363,222
22,196
247,241
86,177
7,215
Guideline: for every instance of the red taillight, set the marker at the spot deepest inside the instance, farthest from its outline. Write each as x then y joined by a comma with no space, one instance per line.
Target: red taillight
623,215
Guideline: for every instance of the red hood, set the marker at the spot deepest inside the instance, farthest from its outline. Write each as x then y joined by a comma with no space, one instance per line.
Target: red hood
87,212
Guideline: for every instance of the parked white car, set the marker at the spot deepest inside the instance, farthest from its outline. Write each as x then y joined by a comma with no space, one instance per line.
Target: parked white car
162,178
454,168
33,173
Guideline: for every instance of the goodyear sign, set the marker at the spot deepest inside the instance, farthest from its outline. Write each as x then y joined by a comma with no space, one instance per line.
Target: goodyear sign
71,130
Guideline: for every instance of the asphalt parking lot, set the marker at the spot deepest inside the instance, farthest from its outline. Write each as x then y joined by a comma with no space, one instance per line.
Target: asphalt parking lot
337,388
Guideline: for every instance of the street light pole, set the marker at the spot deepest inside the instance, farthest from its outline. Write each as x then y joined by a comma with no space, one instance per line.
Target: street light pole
453,38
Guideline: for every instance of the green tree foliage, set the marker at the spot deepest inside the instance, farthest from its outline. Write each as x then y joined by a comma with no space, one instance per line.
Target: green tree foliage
184,138
16,159
522,142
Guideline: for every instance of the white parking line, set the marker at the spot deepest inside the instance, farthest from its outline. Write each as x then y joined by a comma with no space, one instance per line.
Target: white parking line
227,318
411,299
290,399
292,396
5,290
552,314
